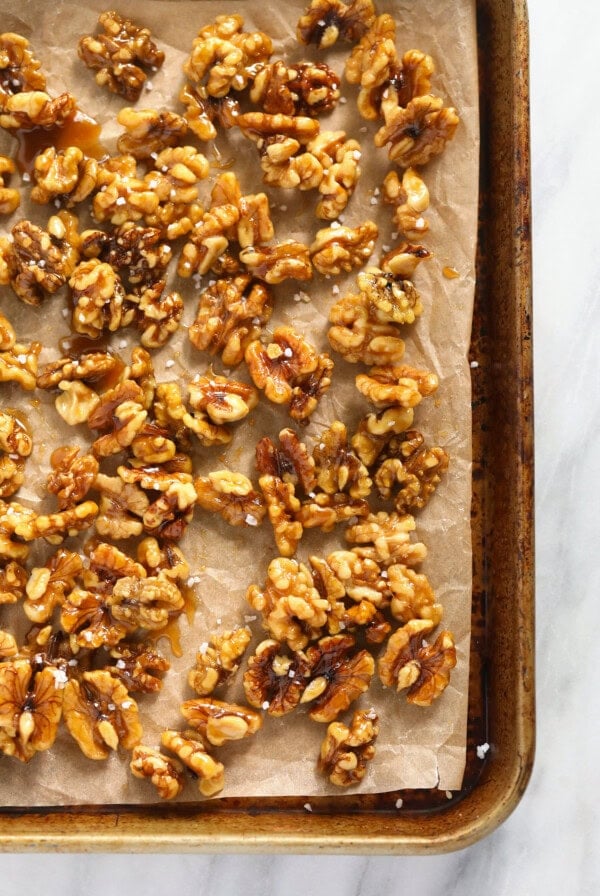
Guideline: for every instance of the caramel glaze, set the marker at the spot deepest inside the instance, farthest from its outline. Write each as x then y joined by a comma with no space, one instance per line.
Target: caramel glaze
78,130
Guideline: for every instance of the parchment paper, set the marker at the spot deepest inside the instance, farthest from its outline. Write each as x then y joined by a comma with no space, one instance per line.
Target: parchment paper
417,748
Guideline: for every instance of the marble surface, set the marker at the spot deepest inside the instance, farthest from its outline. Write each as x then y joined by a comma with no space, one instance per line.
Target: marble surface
551,844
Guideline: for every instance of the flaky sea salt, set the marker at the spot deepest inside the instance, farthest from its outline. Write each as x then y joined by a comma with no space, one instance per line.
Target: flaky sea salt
474,364
399,803
482,749
308,807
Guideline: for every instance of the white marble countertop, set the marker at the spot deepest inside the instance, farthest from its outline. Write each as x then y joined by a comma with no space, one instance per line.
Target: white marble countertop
551,844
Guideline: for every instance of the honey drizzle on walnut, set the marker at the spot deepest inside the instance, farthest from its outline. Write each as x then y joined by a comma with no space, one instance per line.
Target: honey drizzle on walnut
80,130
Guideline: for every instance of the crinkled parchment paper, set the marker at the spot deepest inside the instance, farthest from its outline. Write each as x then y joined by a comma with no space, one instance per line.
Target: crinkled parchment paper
417,747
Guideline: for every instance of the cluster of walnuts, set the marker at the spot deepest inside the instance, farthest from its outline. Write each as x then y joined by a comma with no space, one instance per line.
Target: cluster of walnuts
96,609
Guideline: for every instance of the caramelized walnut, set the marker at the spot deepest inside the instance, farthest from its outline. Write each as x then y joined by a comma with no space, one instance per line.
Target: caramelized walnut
401,262
282,507
123,196
326,21
326,511
33,109
359,333
394,298
339,157
72,475
224,57
288,260
55,527
10,198
409,662
223,399
231,314
209,771
89,367
136,251
101,715
138,664
412,596
169,514
417,132
209,240
345,751
31,701
307,393
164,773
287,364
338,676
218,660
171,412
360,576
337,249
8,646
148,131
13,515
118,54
8,336
259,126
120,416
148,603
19,364
385,538
307,88
411,200
232,496
49,585
274,680
391,385
414,467
42,260
19,69
202,111
375,431
99,299
15,446
290,462
13,579
65,176
121,508
217,722
174,181
158,314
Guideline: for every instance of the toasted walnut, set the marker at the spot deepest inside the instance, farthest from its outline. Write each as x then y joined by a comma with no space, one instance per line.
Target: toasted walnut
170,513
340,157
13,579
284,364
122,196
386,538
417,132
226,58
209,771
88,367
290,462
375,431
231,314
13,515
326,511
417,469
15,445
55,527
218,660
337,676
19,69
337,249
346,751
293,610
164,773
402,261
282,507
99,299
31,701
65,176
217,722
48,585
148,131
86,618
390,385
101,715
373,61
42,260
8,336
285,165
307,88
120,415
288,260
224,400
174,181
326,21
172,413
412,596
148,603
118,54
307,393
409,662
10,198
360,576
273,680
36,109
259,126
136,251
165,560
72,475
138,665
76,402
359,333
202,110
209,240
8,646
411,201
232,496
394,298
337,467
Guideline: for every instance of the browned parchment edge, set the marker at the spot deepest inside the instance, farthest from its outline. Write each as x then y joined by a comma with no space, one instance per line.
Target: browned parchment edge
502,704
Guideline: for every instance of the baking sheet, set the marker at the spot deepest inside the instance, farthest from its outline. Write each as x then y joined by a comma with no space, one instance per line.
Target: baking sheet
416,747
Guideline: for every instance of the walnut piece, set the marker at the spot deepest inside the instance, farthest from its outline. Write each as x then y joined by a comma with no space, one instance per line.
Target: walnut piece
413,466
48,585
390,385
394,298
325,511
412,596
10,198
274,680
232,496
55,527
326,21
416,132
42,260
260,126
290,462
218,660
16,444
360,334
224,400
345,751
202,110
31,701
13,579
217,722
19,69
224,57
100,714
32,109
149,603
169,514
119,416
118,54
164,773
337,676
148,131
137,252
282,507
385,538
409,662
402,261
65,176
209,771
342,248
138,665
288,260
123,196
375,431
411,200
306,88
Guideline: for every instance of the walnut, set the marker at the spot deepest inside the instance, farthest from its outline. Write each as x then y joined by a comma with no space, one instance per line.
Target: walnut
65,176
148,603
158,313
226,58
10,198
170,513
55,527
284,365
217,722
375,431
8,646
171,412
209,771
385,538
259,126
282,507
209,240
13,579
337,676
107,564
402,261
359,333
340,157
337,249
123,196
101,715
121,508
48,586
19,365
87,619
76,402
394,298
218,660
274,680
36,109
165,560
203,110
43,260
72,475
16,445
391,385
307,393
120,416
19,69
290,462
8,336
30,707
326,511
326,21
409,662
307,88
337,467
413,466
288,260
88,367
152,445
148,131
164,773
411,201
224,400
417,132
373,62
284,166
360,576
232,496
99,299
137,252
138,665
412,596
345,751
231,314
13,515
118,54
177,173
